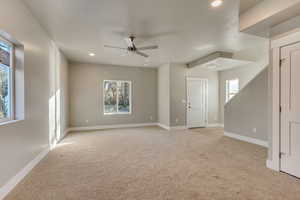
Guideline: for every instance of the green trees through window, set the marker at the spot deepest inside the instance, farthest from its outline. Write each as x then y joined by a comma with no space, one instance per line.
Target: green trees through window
5,81
117,97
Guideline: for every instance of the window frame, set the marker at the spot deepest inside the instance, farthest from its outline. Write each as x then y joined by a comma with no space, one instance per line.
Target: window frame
130,98
11,82
227,99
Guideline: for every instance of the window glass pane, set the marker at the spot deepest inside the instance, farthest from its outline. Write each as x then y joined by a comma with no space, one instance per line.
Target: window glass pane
124,97
234,86
4,54
4,92
110,97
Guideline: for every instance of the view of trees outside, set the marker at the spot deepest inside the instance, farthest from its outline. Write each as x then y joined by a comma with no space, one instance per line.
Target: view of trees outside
110,97
116,97
4,98
124,95
4,80
4,54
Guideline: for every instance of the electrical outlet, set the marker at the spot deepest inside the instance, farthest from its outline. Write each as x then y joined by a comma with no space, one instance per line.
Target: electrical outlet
87,121
177,120
254,130
151,118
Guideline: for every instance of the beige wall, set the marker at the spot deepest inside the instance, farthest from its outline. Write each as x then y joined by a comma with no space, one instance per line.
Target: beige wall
58,101
177,94
259,55
22,141
86,94
247,113
164,95
213,91
64,91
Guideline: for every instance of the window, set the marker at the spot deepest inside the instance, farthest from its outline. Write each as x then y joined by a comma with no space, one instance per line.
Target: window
232,88
6,86
117,97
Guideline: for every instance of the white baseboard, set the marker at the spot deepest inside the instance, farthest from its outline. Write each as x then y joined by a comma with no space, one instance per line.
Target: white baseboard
174,128
247,139
215,126
163,126
271,165
65,133
9,186
91,128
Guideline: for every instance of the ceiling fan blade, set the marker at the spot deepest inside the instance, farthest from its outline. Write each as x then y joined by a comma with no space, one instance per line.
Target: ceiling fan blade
141,54
129,42
114,47
148,47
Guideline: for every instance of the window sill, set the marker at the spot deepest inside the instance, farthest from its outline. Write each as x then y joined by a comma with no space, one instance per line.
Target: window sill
109,114
9,122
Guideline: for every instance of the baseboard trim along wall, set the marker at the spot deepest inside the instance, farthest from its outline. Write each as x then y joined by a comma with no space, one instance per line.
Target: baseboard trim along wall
247,139
91,128
184,127
173,128
270,164
9,186
65,133
215,126
164,126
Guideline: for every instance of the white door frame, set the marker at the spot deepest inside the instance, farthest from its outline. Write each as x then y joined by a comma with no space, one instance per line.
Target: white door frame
188,78
274,71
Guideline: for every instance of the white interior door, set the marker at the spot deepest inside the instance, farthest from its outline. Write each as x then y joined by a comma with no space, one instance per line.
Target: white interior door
197,91
290,110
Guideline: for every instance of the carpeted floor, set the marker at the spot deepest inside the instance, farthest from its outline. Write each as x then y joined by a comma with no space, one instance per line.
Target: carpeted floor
153,164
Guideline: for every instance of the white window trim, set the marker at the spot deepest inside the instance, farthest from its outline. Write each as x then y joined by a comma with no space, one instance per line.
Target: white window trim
227,88
12,81
130,99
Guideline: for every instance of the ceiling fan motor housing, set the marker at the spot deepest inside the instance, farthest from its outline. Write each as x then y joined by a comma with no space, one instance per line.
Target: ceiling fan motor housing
133,47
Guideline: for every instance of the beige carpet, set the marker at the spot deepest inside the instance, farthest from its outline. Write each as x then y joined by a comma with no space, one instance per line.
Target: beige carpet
153,164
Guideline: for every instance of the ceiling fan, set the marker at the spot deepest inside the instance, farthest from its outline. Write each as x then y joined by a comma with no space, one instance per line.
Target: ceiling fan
132,48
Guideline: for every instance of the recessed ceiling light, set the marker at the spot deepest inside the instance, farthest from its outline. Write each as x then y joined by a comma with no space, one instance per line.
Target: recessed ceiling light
92,54
216,3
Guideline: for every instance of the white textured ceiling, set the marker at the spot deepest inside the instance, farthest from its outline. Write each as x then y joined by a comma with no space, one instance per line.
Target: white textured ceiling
247,4
221,64
183,29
